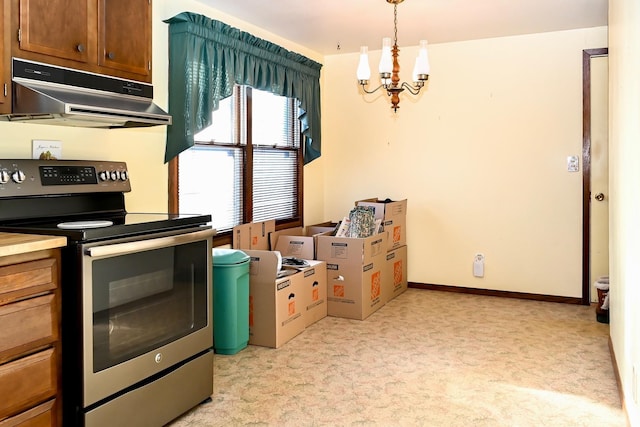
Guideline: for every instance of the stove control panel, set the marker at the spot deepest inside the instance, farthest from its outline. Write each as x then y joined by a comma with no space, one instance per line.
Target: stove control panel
32,177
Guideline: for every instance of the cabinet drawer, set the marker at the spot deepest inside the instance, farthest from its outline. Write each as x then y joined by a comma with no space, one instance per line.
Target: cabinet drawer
21,280
27,381
27,325
40,416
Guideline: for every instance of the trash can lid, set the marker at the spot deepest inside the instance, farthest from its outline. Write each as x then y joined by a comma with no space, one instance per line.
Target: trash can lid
228,256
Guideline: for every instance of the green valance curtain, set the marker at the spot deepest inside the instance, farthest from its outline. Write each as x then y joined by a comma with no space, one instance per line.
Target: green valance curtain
206,59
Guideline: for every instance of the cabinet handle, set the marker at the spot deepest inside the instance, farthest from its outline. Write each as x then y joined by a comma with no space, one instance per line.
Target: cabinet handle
111,55
80,48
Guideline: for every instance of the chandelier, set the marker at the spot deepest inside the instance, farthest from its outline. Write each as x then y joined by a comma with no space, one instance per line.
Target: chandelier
389,66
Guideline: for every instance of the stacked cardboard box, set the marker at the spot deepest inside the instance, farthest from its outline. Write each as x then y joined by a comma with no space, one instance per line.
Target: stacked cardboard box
314,292
292,242
396,277
355,269
253,235
352,277
280,308
275,304
393,215
394,218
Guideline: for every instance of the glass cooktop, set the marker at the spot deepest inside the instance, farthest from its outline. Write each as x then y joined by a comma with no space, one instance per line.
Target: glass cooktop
123,225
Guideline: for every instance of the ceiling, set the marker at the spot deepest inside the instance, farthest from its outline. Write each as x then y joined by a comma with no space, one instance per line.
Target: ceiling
339,26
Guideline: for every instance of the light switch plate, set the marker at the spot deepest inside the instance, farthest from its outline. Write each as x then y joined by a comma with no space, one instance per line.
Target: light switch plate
573,164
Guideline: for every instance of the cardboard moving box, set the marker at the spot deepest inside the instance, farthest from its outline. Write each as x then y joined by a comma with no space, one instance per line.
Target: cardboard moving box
395,282
394,218
355,270
292,231
314,292
296,246
325,228
291,242
253,235
276,305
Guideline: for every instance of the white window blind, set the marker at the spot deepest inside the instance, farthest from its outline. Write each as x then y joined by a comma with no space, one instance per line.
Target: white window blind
247,165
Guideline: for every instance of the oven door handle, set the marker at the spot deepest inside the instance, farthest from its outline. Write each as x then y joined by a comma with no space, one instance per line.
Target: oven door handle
147,245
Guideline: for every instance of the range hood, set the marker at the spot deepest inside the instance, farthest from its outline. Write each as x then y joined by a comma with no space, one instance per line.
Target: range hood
54,95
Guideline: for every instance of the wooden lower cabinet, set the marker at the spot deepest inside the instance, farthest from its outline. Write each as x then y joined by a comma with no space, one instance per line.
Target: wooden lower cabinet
30,340
42,415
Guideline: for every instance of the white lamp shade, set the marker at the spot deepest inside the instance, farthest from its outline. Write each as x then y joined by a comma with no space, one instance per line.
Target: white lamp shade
422,62
386,62
416,69
364,72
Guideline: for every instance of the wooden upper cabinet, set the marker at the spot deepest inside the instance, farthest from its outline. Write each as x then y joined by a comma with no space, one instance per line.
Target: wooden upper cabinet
5,75
124,35
57,28
111,37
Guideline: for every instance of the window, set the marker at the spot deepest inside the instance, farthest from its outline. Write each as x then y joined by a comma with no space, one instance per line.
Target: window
247,166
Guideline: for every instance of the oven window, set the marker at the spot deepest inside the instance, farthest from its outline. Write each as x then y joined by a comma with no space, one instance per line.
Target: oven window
144,300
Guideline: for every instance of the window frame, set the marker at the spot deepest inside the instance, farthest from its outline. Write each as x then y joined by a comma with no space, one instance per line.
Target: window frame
225,238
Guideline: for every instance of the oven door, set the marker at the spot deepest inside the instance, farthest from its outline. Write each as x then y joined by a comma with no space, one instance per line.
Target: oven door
146,306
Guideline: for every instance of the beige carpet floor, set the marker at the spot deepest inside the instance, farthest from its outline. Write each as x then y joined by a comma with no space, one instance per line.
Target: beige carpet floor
426,358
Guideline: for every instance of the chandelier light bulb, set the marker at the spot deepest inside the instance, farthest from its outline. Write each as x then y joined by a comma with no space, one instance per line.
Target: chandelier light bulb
421,67
423,56
416,70
364,72
386,61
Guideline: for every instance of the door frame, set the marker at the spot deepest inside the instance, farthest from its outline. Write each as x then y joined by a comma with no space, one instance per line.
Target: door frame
587,54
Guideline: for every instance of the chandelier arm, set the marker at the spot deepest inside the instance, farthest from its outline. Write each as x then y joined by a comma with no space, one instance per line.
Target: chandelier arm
364,88
413,89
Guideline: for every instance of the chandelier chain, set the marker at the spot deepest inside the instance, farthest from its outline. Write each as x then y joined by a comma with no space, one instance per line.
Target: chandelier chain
395,23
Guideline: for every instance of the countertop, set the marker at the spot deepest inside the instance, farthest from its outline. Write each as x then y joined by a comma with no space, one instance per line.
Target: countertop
16,244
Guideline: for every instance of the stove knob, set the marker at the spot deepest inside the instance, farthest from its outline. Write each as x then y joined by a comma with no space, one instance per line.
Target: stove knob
124,175
18,176
103,176
4,177
115,175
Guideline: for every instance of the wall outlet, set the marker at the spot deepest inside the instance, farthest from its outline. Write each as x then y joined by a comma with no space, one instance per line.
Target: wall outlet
478,265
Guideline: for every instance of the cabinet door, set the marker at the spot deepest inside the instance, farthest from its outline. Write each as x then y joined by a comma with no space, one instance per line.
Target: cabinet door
43,415
56,28
27,325
124,36
27,381
5,78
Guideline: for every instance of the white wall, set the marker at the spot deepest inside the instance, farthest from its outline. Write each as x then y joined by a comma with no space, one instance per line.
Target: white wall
142,149
480,155
624,183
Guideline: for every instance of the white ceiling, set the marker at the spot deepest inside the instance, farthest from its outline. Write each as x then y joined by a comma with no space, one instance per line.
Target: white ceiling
323,25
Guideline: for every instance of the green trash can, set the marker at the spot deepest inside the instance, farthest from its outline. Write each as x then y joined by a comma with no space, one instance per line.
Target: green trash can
230,300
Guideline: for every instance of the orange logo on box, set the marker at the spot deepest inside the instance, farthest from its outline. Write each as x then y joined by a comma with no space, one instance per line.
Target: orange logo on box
315,295
375,285
397,272
292,308
338,291
250,310
396,234
254,241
